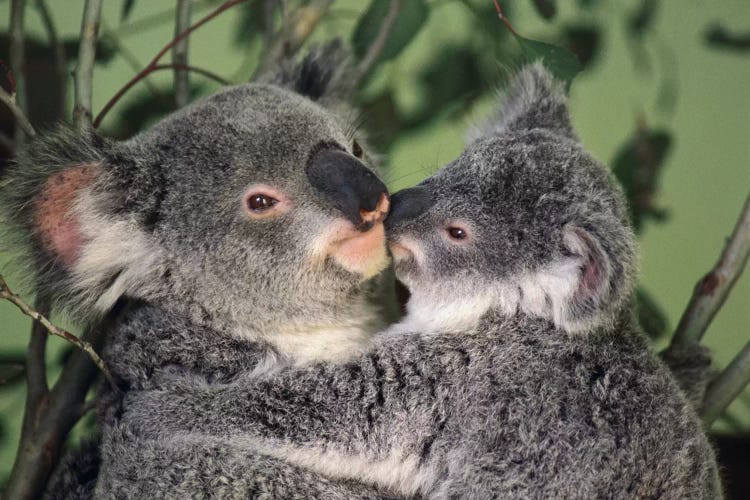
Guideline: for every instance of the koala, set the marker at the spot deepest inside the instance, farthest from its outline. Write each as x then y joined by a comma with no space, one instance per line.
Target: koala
238,235
519,370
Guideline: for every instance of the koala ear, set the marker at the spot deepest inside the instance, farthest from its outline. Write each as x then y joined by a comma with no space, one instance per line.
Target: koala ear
62,204
319,76
533,99
600,279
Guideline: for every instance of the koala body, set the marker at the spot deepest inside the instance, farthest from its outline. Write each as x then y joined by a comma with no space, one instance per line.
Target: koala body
243,226
519,370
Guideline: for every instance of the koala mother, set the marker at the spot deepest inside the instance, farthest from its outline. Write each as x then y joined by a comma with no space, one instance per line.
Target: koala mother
247,217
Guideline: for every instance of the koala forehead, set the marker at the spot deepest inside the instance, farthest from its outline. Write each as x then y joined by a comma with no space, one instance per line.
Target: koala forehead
520,177
260,123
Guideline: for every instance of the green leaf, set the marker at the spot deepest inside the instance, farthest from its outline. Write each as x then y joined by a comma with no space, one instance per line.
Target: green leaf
127,8
584,41
546,8
12,368
558,60
643,17
638,166
720,37
411,18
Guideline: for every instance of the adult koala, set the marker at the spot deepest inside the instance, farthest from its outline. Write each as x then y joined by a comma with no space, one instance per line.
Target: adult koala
244,218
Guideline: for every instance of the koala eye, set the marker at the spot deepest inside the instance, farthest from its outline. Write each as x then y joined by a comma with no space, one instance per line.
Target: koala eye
457,233
357,149
260,202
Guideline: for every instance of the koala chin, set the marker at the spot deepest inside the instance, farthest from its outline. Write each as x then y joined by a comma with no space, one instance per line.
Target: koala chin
519,370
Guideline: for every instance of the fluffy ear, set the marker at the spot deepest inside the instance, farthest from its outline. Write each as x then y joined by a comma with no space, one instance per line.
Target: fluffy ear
63,204
533,99
319,76
586,287
601,279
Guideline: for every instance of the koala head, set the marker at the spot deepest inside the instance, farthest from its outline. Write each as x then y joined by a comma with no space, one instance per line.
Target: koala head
251,210
524,221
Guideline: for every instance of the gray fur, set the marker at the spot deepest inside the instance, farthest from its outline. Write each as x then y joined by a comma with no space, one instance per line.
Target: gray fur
204,289
519,371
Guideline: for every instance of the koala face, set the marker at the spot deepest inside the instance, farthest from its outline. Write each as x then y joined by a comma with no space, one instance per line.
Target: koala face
265,216
524,220
250,210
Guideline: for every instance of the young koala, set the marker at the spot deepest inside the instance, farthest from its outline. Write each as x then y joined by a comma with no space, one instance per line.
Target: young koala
239,234
519,370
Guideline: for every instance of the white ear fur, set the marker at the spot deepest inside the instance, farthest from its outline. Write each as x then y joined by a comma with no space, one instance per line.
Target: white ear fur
117,257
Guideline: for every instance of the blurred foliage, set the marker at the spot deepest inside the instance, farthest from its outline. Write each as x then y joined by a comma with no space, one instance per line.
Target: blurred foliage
638,166
721,38
411,18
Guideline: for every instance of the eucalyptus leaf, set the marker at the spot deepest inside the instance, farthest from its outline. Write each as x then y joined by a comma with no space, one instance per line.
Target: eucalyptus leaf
638,166
558,60
546,8
411,18
127,8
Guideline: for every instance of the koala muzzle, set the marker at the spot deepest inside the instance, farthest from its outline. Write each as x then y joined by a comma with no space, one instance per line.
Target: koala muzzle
350,186
408,204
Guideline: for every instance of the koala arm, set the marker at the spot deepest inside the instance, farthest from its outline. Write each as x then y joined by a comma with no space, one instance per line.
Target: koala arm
206,468
391,400
145,341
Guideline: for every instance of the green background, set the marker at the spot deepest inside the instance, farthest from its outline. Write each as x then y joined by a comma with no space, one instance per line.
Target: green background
705,181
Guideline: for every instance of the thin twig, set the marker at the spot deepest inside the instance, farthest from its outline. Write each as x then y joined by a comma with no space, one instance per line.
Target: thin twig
504,19
712,290
58,50
150,67
17,61
727,386
7,294
130,58
377,46
84,71
180,54
194,69
18,114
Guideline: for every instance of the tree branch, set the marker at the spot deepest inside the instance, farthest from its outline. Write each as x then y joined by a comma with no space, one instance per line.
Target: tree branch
17,62
727,386
7,294
374,51
179,54
84,72
150,67
23,122
712,290
57,47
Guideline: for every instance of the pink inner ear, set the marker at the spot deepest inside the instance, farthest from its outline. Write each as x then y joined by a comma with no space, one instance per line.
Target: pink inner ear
593,274
58,229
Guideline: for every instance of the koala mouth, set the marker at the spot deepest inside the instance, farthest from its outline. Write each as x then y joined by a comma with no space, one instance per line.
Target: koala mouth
361,251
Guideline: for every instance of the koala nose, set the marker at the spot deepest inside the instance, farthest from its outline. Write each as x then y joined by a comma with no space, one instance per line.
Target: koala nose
408,204
350,186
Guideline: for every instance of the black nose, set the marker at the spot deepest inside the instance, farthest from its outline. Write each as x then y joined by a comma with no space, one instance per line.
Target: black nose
350,186
408,204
